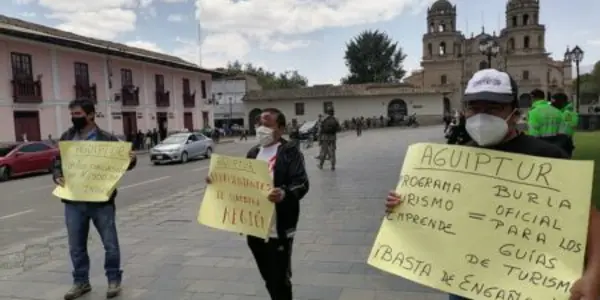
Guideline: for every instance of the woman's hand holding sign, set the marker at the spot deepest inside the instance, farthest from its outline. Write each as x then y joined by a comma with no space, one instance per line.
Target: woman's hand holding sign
392,200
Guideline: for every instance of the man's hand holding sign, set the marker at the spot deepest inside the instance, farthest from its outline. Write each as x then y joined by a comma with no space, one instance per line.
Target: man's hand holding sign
488,225
239,196
91,170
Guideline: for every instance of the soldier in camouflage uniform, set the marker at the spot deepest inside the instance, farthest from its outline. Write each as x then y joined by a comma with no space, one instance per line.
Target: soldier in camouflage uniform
328,135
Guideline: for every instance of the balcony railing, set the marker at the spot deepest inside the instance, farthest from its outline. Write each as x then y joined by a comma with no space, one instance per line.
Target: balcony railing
86,91
130,95
27,90
189,99
163,99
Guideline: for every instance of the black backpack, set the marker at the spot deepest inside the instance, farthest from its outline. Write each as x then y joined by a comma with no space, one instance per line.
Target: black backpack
329,126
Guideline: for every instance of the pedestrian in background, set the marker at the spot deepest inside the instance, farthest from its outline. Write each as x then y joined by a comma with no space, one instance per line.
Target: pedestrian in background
570,121
544,120
328,138
79,214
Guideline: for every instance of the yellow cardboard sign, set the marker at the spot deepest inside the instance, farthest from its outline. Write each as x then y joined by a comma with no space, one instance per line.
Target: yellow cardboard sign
236,200
487,224
92,169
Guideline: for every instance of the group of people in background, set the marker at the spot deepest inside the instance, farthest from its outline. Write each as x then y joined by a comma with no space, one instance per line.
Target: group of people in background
553,121
145,141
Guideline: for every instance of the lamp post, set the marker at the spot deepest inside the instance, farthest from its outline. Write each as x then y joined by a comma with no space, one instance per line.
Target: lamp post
489,47
230,112
575,55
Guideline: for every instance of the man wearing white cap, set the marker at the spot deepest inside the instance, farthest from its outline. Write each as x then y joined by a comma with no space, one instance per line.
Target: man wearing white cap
491,112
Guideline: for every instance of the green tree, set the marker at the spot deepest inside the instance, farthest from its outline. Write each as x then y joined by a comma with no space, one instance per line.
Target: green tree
372,56
267,79
590,84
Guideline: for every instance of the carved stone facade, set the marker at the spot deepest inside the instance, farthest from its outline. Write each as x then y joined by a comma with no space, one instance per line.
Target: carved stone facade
450,59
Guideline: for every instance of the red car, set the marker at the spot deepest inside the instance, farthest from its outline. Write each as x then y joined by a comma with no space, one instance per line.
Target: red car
18,159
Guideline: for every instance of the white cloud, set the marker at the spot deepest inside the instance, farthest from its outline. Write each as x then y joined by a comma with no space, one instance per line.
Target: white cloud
28,14
175,18
283,46
150,46
594,42
217,49
103,24
22,2
282,25
104,19
152,11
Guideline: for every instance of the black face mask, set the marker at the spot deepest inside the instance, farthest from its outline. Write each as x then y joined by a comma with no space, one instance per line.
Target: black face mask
79,122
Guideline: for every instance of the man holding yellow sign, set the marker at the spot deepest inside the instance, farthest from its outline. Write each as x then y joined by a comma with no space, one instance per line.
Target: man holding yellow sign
285,162
86,173
537,253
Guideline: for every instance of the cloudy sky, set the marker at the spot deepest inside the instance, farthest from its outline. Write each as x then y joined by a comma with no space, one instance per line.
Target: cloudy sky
307,35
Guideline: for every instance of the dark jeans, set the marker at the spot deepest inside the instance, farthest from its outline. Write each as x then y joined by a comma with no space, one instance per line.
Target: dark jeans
77,217
456,297
274,260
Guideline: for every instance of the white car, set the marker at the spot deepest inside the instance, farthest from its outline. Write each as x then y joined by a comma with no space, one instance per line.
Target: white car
181,147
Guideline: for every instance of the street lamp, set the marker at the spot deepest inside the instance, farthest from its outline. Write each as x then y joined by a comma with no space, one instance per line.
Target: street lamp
575,55
489,47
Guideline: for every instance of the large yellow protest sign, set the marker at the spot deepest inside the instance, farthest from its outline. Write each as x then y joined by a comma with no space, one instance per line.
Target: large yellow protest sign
91,170
486,224
236,200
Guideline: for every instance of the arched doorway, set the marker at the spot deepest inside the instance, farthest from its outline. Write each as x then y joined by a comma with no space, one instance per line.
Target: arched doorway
397,110
447,106
253,117
525,101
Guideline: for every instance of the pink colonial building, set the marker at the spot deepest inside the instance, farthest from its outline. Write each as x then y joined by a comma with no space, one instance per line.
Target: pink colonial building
135,89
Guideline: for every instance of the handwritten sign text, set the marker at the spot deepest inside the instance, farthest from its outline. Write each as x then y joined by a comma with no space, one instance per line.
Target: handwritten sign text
486,224
92,169
236,199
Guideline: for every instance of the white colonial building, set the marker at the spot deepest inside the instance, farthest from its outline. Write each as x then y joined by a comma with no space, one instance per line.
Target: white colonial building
227,95
350,101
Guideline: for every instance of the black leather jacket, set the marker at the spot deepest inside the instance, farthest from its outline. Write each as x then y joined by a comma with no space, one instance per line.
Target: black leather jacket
289,175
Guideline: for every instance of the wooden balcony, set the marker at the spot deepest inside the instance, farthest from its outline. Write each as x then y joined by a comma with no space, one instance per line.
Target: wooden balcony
27,90
189,100
86,92
162,99
130,96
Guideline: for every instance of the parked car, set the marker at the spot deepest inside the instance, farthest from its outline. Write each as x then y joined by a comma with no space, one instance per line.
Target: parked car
181,147
18,159
308,130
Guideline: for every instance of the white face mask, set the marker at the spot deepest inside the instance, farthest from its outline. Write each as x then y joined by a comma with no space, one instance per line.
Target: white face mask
264,135
486,130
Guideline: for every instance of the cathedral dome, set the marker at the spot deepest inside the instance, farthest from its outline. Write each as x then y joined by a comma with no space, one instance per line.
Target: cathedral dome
442,5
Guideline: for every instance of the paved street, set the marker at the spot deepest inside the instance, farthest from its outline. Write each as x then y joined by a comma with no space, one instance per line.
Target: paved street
28,209
168,256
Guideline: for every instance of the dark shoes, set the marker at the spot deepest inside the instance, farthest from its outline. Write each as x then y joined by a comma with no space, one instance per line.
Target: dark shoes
114,289
78,290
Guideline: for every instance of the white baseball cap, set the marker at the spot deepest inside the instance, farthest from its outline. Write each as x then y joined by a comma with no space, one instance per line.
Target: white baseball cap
491,85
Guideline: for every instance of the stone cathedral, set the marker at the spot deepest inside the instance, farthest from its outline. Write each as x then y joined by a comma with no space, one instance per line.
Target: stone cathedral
450,58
